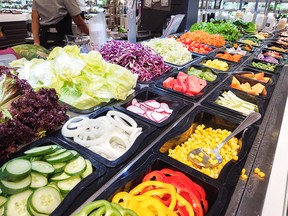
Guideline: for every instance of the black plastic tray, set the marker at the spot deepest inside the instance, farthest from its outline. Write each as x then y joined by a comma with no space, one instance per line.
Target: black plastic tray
220,76
208,53
261,103
242,45
268,45
147,129
87,111
242,80
99,170
216,194
174,103
246,37
215,119
273,76
231,66
277,69
282,61
197,97
244,58
195,57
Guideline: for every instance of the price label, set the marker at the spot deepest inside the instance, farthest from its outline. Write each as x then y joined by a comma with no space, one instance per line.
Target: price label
164,3
148,3
155,1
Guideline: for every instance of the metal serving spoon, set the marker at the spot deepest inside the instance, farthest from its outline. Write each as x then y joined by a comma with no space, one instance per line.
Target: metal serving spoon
207,161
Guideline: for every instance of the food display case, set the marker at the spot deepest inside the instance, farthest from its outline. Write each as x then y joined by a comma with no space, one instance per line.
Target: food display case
227,191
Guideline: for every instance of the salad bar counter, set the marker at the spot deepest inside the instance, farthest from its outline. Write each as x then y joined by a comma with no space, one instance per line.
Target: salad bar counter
124,147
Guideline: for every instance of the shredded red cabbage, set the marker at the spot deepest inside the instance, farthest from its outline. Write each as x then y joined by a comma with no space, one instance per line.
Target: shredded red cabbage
135,57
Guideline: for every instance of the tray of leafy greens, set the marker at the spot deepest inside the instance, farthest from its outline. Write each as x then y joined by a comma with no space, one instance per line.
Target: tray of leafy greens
226,28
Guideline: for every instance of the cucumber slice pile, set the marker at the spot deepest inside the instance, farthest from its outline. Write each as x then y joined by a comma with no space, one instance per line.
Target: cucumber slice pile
40,179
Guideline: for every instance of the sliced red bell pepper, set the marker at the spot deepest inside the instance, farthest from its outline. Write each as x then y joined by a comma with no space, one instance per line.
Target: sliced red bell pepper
189,182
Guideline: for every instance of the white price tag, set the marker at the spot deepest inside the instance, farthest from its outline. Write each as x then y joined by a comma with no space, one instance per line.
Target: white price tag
148,3
164,3
155,1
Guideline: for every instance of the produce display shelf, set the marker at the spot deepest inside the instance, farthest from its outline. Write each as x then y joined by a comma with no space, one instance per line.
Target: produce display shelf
248,195
229,194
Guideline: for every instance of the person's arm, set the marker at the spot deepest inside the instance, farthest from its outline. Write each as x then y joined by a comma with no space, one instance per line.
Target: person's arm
78,20
35,27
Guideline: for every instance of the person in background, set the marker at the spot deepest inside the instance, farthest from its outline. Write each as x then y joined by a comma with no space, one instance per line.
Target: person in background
52,20
83,9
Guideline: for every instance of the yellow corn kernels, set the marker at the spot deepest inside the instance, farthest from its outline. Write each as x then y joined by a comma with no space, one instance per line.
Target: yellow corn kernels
207,138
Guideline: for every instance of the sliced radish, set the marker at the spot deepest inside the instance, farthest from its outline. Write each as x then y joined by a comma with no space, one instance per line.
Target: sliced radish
151,109
152,104
158,117
149,114
160,110
134,101
169,111
135,109
145,108
164,106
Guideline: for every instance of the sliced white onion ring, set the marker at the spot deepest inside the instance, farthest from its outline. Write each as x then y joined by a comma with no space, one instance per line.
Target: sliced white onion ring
93,142
73,126
104,152
133,136
120,124
109,136
118,139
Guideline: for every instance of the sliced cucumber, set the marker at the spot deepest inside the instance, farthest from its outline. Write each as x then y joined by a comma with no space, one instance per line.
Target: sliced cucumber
42,150
4,166
59,167
38,180
88,170
66,156
59,151
37,158
33,211
17,169
62,176
54,185
45,200
9,187
75,153
2,200
42,167
75,167
67,185
17,204
2,210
